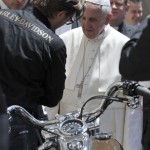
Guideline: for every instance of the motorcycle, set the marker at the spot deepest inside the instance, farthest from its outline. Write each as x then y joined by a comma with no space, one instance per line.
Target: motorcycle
80,130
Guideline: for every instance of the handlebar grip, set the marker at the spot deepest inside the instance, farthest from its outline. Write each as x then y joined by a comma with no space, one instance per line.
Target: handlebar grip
143,91
132,88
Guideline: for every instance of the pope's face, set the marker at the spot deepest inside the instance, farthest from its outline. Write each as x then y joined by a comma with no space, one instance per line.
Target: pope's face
92,21
15,4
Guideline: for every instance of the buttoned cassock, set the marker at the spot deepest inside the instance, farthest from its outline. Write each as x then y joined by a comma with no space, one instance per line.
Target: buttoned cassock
105,50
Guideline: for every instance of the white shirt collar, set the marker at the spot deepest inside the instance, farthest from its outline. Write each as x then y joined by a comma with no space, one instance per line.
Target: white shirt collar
3,5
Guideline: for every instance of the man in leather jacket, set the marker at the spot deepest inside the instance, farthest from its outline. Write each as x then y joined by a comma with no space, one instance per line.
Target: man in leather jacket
134,65
32,61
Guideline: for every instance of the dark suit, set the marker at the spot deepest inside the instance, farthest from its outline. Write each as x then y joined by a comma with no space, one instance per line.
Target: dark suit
135,65
127,30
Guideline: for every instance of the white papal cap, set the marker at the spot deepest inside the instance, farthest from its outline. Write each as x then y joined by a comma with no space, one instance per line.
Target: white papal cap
99,2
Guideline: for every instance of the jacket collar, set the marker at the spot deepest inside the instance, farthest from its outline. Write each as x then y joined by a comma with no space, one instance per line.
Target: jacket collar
41,17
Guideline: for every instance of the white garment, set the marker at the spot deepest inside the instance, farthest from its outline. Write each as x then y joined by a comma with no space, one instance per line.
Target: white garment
115,118
134,124
3,5
99,76
63,29
133,128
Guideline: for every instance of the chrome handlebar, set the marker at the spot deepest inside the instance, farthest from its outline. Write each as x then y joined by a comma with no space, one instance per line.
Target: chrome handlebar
18,110
72,128
110,95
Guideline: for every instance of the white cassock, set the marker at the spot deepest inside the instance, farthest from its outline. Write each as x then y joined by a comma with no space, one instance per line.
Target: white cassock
63,29
102,56
3,5
134,124
133,128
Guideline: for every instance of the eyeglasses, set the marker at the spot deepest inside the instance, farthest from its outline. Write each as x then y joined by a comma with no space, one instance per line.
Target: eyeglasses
76,16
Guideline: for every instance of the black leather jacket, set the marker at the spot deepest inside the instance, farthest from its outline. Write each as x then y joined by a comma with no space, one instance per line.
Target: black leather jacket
32,59
134,62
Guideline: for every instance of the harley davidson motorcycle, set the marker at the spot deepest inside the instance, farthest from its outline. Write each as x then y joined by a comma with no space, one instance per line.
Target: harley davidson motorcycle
80,130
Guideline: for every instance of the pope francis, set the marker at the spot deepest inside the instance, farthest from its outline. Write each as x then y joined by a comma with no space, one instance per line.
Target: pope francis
93,54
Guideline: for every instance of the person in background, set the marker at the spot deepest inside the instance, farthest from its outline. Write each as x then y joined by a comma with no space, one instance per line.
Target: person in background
134,65
32,62
13,4
134,13
93,54
119,9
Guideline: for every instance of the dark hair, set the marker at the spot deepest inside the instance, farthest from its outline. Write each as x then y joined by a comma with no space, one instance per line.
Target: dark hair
49,7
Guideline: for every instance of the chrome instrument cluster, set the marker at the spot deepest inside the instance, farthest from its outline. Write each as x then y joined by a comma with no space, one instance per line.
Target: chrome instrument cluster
72,127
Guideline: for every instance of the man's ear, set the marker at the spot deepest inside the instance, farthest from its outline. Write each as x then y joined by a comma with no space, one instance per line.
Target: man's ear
61,14
108,18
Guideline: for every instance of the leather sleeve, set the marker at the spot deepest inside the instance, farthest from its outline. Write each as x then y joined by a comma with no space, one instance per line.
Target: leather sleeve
135,62
55,77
